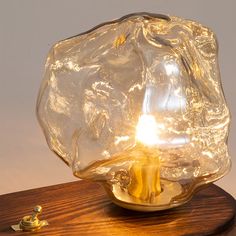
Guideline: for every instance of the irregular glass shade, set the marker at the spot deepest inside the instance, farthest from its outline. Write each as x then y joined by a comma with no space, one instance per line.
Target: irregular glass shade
137,104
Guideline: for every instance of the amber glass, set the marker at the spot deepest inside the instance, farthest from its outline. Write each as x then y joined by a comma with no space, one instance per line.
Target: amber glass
137,104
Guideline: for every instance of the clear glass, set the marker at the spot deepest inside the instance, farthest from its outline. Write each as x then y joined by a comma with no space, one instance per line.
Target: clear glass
137,104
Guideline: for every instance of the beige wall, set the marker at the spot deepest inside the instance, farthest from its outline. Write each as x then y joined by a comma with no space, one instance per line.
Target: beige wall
29,28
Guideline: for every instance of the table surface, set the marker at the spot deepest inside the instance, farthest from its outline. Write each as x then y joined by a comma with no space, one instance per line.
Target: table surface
83,208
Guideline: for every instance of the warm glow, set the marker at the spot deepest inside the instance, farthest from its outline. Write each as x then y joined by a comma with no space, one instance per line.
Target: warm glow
146,130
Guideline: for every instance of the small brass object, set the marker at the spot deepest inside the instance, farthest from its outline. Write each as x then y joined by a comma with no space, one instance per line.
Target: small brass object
31,223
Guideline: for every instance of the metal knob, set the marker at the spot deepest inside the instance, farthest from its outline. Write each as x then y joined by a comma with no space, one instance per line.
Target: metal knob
31,223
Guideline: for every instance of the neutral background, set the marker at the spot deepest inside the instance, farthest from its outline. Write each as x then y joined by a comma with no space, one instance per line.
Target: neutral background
29,28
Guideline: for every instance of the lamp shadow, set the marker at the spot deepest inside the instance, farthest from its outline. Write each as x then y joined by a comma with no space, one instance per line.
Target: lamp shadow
165,220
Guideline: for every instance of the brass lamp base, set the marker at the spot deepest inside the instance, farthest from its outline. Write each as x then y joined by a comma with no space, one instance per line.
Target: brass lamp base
162,201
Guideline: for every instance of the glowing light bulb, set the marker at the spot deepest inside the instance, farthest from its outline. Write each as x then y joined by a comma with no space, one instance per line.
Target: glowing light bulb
147,130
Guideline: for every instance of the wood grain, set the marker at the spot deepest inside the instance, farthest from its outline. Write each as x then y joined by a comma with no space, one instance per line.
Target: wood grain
83,208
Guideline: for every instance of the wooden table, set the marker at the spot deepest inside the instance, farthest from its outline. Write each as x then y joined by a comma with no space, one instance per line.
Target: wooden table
83,208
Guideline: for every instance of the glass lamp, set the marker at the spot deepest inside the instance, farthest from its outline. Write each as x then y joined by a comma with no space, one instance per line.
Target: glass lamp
137,105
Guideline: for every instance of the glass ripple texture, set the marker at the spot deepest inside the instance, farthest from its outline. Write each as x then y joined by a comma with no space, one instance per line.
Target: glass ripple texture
137,105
